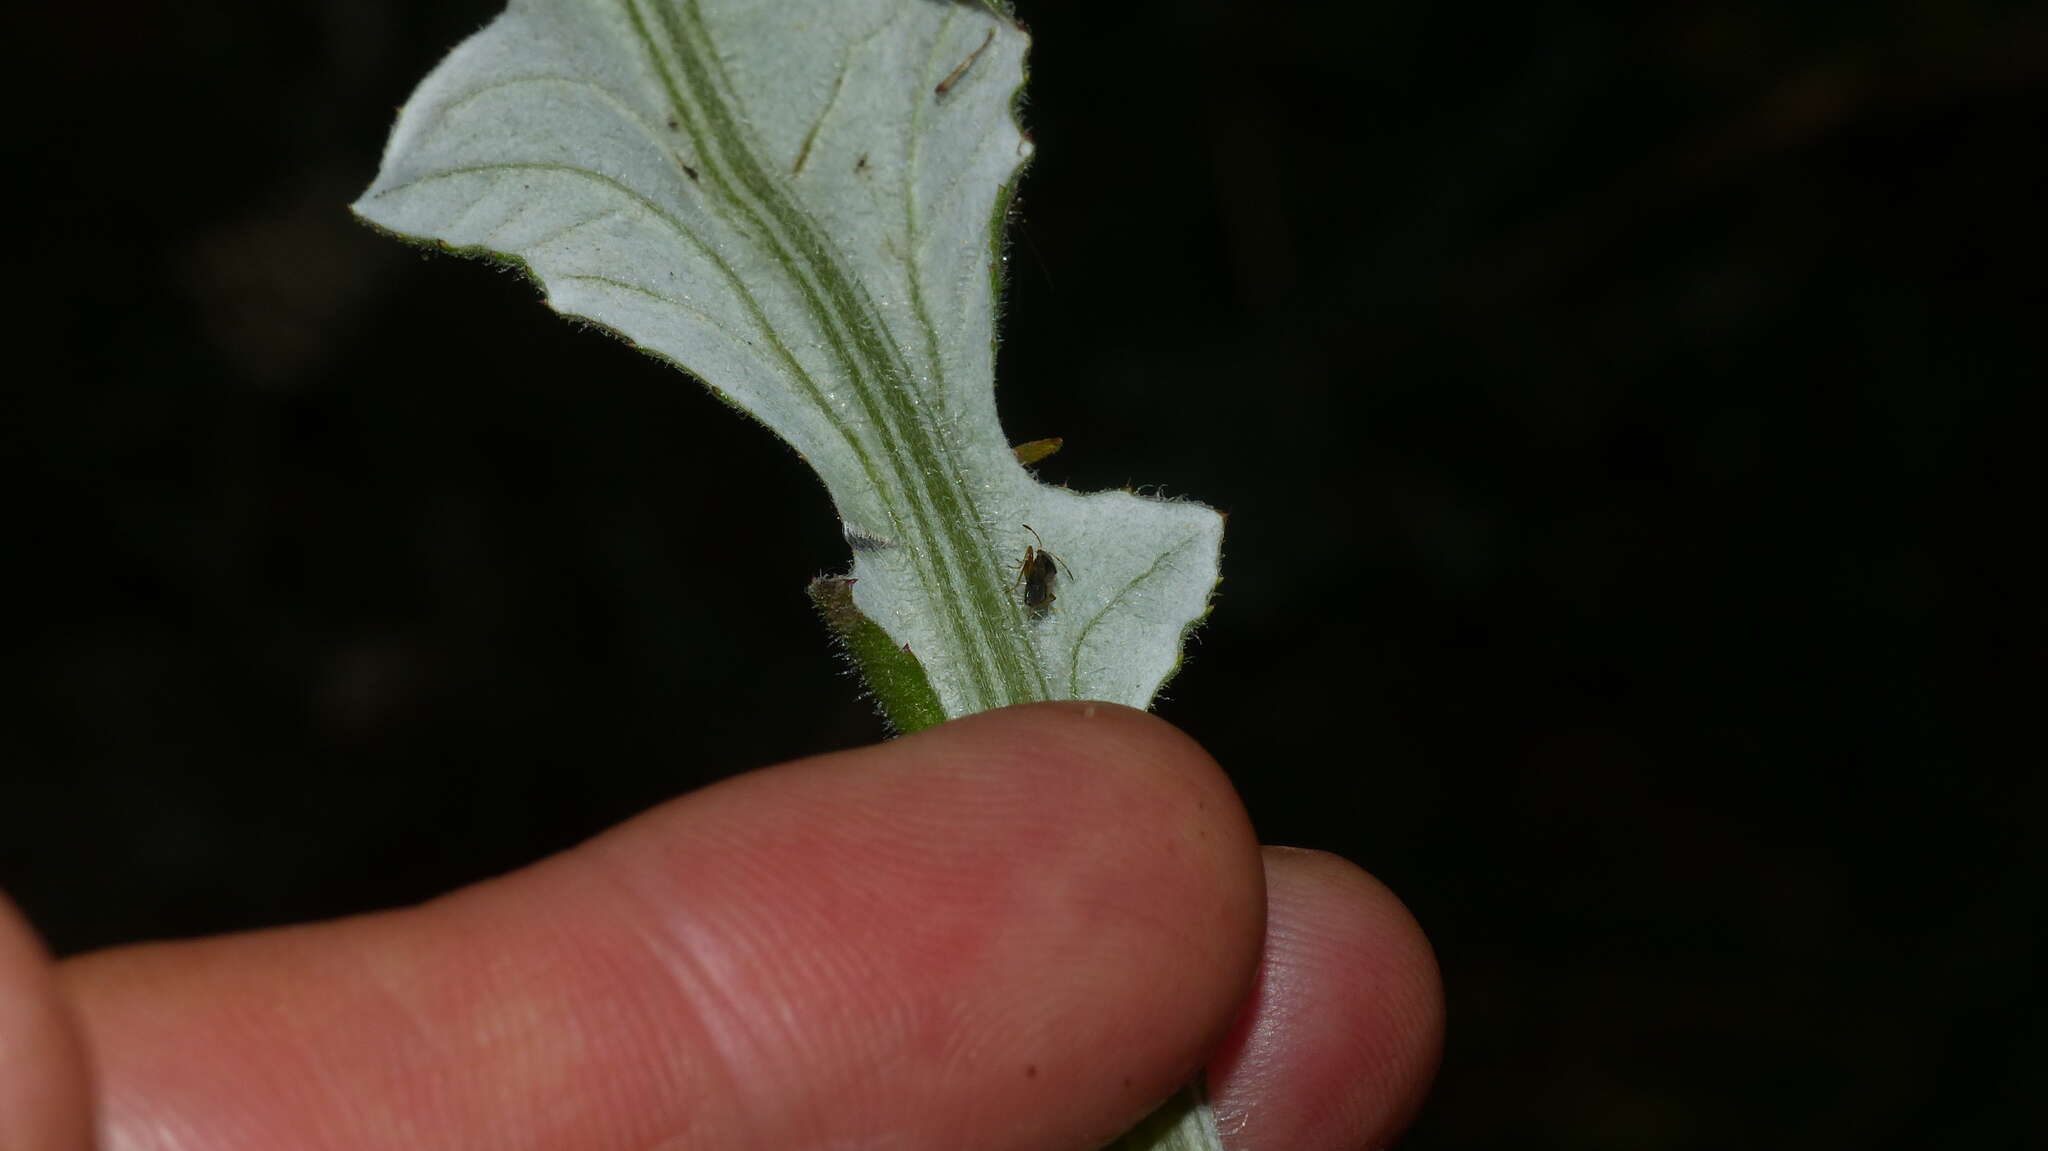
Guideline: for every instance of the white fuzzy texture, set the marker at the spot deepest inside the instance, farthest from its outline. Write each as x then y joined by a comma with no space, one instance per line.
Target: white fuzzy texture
749,189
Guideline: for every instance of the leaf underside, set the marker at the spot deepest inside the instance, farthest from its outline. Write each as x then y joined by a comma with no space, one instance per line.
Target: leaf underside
801,204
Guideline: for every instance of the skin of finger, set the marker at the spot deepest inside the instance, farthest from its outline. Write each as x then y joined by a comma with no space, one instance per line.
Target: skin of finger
45,1093
1016,930
1338,1044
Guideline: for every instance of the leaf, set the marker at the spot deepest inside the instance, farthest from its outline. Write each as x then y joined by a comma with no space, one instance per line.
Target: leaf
800,202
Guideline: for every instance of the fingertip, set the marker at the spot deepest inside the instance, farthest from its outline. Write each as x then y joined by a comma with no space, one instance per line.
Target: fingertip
1093,759
1107,758
1094,860
1089,737
45,1082
1342,1036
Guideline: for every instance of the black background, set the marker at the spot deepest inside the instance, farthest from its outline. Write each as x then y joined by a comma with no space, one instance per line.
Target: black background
1627,415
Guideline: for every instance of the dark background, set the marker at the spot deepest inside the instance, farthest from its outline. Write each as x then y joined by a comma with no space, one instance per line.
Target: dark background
1627,415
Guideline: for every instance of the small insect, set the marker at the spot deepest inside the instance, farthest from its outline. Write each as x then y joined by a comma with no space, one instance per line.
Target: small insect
946,85
1032,451
1037,575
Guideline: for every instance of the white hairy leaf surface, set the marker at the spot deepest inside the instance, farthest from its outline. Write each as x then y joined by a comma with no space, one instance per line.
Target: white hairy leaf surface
800,203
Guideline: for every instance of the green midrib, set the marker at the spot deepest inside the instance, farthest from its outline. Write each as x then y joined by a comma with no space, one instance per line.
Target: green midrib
959,574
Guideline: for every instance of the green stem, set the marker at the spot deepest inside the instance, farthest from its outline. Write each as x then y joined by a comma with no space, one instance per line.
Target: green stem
1182,1123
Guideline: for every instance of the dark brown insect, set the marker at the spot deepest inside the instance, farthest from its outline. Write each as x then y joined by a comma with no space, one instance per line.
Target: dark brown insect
1037,575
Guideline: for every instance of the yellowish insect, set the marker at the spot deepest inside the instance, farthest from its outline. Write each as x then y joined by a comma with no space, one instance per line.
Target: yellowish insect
1032,451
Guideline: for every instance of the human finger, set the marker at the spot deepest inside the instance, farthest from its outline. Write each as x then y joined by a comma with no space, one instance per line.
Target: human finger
45,1097
1016,930
1342,1035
